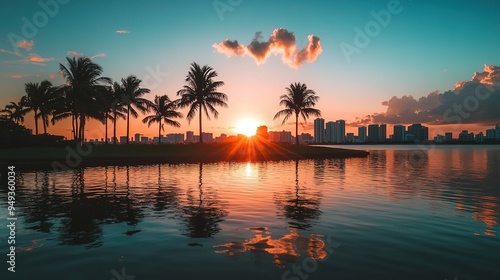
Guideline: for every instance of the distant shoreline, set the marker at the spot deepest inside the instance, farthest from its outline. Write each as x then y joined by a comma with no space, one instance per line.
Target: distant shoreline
62,158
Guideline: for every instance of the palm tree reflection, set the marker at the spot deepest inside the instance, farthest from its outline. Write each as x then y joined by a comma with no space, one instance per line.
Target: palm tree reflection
202,214
300,208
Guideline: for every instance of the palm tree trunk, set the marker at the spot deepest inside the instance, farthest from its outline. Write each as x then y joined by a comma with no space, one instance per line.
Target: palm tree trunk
128,121
82,128
114,128
159,132
106,128
297,129
201,113
44,120
73,126
36,122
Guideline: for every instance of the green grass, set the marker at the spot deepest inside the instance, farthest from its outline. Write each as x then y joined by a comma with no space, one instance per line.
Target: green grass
246,150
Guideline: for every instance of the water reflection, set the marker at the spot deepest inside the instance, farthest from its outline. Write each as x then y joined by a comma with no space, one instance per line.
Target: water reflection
301,207
203,212
284,250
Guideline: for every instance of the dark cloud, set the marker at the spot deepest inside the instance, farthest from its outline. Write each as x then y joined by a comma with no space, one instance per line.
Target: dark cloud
474,101
281,42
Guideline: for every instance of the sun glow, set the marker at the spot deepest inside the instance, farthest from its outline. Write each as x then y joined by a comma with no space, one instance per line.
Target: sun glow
247,127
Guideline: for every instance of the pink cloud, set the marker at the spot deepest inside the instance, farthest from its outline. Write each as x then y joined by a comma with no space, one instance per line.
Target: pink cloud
9,52
20,76
34,58
281,42
75,54
27,45
122,31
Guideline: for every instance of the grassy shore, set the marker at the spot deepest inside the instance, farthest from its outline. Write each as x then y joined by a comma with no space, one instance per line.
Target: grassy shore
247,150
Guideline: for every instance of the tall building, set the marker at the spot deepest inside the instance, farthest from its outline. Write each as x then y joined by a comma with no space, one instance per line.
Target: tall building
262,132
137,138
330,132
362,134
465,136
340,132
306,138
319,130
493,134
373,133
382,137
419,132
190,137
448,136
399,133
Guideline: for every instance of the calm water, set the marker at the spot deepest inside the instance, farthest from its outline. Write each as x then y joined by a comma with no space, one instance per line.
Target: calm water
431,213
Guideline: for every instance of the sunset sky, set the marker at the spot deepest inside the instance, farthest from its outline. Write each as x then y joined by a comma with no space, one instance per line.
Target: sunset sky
423,50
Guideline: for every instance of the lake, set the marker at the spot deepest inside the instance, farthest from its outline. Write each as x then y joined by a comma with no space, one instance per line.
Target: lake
404,212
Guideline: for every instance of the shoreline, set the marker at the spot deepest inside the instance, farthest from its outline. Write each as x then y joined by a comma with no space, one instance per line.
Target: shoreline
69,157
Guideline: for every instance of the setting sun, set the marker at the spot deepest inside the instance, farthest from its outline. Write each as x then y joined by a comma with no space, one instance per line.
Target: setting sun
247,127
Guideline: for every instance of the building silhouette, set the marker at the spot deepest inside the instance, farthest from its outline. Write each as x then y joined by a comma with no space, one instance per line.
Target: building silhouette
262,132
319,130
362,134
280,136
399,133
382,137
373,133
190,137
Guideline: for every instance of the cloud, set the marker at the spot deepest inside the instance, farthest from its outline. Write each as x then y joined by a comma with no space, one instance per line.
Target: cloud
34,58
52,76
20,76
473,101
75,54
9,52
281,42
122,31
97,55
27,45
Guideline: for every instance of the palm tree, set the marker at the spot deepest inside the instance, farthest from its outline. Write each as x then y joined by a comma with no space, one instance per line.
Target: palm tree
163,109
201,93
299,100
38,100
132,93
83,82
111,107
16,111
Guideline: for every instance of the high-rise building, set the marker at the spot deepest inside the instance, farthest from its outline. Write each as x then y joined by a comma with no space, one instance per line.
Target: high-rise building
340,132
350,137
362,134
448,136
190,137
306,138
382,137
137,138
262,132
319,130
419,132
399,133
493,134
465,136
373,133
330,132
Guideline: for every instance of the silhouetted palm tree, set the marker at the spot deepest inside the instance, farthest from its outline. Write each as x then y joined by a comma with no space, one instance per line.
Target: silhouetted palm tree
132,93
299,100
83,80
163,109
111,107
201,93
16,111
38,100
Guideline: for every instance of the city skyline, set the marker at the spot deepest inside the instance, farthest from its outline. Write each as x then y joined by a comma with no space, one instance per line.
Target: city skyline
324,56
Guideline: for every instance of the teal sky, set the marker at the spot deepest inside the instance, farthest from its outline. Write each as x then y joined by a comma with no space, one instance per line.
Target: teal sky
427,46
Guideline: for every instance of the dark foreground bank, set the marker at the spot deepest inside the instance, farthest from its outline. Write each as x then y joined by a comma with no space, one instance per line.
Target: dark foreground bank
92,155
